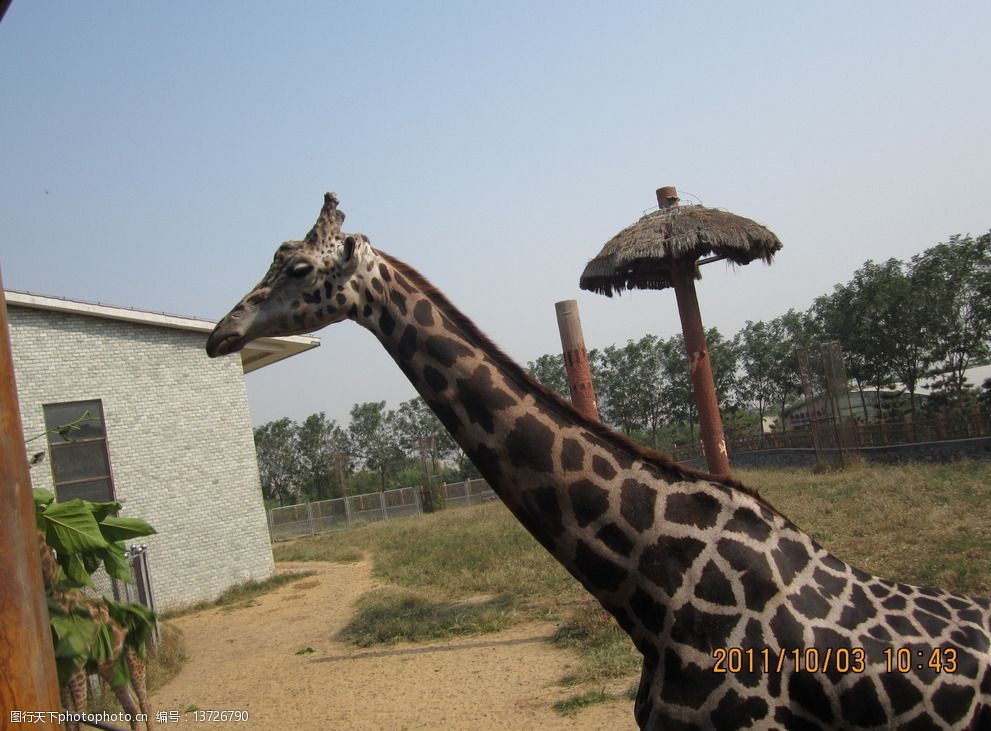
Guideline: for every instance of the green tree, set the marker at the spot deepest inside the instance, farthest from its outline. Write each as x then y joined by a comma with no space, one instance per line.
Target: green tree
322,448
952,284
762,347
549,370
373,441
279,466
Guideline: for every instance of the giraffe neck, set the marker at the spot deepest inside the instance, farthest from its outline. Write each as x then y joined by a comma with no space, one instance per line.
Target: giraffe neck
587,494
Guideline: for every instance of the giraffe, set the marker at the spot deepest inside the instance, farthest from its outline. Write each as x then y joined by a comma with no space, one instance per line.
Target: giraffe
74,690
743,620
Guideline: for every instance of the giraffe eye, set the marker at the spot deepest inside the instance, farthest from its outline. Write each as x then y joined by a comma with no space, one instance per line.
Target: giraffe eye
300,269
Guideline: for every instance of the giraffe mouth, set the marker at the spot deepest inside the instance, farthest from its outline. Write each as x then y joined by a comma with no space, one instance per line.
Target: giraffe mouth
220,343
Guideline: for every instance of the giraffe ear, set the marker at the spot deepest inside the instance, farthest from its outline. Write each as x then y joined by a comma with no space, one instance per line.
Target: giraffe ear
349,245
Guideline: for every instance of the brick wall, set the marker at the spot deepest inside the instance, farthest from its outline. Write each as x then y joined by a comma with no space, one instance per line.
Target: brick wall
179,436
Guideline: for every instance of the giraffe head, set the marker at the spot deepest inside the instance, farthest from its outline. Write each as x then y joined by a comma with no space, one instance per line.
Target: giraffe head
311,283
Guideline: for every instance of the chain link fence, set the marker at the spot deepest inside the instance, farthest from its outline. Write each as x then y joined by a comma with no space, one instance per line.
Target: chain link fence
307,519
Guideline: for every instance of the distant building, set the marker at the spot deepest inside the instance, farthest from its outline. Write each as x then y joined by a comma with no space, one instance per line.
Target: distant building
168,432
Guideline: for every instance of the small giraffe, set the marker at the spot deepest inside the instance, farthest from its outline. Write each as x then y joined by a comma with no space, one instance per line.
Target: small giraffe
743,620
74,689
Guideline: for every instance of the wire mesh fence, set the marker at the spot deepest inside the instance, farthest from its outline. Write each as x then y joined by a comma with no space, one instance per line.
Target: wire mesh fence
307,519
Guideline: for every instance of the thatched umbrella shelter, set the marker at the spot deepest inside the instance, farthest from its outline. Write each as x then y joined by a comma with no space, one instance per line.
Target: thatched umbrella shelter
665,249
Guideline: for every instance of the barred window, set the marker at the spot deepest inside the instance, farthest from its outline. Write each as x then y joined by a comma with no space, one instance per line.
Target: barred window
77,444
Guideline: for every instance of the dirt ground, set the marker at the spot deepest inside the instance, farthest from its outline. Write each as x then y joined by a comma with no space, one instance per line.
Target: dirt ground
245,659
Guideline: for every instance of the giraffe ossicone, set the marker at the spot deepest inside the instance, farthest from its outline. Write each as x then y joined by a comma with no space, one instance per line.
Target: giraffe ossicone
743,620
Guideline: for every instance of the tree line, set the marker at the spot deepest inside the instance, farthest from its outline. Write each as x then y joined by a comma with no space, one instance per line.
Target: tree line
925,320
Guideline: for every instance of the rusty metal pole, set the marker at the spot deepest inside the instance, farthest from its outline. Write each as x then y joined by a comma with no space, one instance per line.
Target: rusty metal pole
28,681
576,359
700,367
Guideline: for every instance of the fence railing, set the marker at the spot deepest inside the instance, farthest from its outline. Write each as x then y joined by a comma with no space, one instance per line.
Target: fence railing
307,519
855,436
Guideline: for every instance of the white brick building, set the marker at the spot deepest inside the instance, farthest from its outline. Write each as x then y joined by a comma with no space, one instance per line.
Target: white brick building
175,443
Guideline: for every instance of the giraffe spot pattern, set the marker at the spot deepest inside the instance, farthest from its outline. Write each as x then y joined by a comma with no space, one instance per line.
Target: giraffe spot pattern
367,311
895,603
423,313
487,461
407,344
353,311
758,581
791,721
829,584
436,380
445,350
933,606
599,572
714,587
695,508
603,468
933,626
544,509
809,603
588,501
404,283
650,613
328,288
384,272
901,691
387,323
736,712
747,522
786,629
313,297
614,537
791,558
341,299
398,300
858,609
572,455
636,504
480,398
529,444
704,631
859,704
687,684
807,692
901,625
665,561
377,285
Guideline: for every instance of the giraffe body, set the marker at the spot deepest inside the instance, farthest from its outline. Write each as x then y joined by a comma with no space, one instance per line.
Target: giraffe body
132,695
692,567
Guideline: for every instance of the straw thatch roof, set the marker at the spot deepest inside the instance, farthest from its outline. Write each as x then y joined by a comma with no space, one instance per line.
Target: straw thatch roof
640,256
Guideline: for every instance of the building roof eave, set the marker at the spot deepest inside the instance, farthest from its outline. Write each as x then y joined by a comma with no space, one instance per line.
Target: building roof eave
255,355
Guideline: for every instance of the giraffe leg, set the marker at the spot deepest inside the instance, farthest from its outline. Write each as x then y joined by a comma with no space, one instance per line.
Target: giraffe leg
74,696
136,667
123,693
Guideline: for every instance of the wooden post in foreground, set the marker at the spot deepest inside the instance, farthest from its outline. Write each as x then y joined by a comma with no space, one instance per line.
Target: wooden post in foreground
576,359
28,681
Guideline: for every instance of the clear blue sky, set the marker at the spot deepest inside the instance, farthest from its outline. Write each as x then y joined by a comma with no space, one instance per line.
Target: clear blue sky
153,155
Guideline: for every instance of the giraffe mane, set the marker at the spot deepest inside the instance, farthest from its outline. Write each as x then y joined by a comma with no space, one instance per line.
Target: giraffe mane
522,378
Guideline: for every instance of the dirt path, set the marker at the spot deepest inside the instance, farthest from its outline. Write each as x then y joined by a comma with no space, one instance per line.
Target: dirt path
244,659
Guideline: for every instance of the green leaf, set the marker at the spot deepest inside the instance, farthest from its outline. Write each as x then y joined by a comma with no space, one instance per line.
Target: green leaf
117,566
122,529
102,510
74,634
75,571
138,620
71,528
42,499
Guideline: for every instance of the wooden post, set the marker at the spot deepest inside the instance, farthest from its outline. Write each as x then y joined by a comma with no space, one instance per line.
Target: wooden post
576,359
27,660
700,367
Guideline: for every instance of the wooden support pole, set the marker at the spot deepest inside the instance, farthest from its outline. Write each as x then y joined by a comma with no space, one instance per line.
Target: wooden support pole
699,363
28,681
576,359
